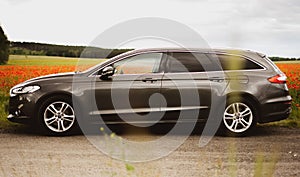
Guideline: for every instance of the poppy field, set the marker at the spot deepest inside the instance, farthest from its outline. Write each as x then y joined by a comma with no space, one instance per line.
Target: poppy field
21,68
292,71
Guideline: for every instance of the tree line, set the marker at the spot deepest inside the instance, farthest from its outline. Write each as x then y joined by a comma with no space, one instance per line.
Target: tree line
31,48
283,59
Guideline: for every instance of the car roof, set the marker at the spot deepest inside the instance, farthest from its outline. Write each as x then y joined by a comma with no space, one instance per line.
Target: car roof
192,49
204,50
239,52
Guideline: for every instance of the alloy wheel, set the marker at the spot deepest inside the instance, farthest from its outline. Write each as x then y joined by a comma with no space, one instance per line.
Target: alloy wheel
238,117
59,116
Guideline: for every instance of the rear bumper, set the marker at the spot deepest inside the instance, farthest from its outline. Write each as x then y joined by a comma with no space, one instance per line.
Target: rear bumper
275,111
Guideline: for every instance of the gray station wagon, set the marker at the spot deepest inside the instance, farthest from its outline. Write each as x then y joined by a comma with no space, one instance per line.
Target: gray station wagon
154,86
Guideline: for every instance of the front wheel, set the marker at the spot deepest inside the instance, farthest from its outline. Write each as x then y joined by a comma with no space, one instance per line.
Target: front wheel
239,118
56,116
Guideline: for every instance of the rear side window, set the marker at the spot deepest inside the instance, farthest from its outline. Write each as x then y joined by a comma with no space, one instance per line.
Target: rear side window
199,62
231,62
190,62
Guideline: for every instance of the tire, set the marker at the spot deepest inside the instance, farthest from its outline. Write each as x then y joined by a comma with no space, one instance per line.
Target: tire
239,118
56,116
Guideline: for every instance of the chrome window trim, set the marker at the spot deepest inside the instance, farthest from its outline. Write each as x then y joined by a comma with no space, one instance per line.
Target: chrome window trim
137,74
186,51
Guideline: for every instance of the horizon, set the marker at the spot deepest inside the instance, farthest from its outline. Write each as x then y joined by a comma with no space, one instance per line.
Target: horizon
141,48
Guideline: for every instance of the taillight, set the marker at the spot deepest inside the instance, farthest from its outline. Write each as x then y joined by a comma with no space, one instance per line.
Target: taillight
278,79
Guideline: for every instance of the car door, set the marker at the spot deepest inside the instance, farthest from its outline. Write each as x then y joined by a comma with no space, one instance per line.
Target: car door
188,84
129,92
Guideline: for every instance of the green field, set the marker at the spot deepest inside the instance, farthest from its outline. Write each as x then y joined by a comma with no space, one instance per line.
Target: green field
288,62
25,60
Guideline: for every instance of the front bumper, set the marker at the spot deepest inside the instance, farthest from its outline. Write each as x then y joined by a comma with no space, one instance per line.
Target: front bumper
19,119
21,108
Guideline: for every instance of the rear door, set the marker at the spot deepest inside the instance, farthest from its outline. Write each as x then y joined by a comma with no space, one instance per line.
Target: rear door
188,84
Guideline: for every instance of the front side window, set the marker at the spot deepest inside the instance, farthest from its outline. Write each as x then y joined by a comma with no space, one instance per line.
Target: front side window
139,64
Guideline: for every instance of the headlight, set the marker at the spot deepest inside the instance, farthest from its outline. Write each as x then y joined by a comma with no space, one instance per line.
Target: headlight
24,89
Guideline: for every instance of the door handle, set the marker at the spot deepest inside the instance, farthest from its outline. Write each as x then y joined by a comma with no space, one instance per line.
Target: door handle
149,80
216,79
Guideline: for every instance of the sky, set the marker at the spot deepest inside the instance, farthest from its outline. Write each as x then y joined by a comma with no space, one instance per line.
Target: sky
267,26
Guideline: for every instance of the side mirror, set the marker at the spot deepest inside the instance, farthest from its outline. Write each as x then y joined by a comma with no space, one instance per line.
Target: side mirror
107,71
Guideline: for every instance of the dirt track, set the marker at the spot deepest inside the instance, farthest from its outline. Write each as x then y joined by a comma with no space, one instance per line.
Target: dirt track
270,151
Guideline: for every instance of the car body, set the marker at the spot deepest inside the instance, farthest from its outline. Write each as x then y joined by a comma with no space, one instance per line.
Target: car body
180,79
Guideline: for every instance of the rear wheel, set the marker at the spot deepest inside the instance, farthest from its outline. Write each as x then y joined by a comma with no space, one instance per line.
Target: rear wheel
239,117
56,116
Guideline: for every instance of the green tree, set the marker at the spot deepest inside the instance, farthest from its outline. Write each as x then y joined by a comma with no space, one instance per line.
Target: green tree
4,47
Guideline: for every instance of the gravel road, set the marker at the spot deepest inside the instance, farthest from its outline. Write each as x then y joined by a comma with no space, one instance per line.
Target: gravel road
270,151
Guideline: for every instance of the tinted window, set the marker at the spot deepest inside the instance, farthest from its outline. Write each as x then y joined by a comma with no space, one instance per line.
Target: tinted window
139,64
191,62
229,62
184,62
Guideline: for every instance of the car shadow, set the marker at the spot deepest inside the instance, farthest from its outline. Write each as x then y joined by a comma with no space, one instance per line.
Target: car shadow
19,129
157,130
164,129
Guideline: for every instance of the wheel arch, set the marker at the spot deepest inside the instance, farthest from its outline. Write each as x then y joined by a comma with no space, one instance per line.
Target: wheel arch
49,95
248,97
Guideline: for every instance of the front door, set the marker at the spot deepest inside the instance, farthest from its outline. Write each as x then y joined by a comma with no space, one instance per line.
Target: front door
132,92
